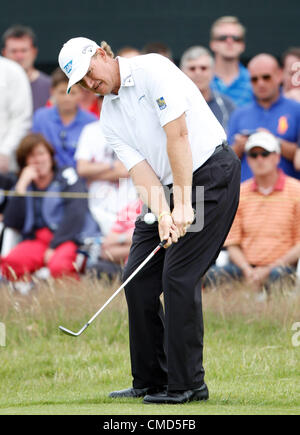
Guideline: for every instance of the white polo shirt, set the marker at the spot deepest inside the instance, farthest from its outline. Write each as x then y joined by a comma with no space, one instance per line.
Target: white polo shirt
154,92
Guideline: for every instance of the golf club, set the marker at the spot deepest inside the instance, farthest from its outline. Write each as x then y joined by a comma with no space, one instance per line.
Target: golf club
76,334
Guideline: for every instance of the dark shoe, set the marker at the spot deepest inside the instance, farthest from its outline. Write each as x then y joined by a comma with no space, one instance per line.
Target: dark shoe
136,392
178,397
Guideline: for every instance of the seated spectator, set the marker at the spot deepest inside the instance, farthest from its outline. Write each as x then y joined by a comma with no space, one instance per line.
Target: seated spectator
53,226
97,163
62,124
291,73
270,111
227,41
15,112
159,48
128,52
198,64
116,245
264,241
19,45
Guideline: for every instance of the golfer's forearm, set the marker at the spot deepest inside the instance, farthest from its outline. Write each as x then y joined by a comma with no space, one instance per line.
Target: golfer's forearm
181,161
149,188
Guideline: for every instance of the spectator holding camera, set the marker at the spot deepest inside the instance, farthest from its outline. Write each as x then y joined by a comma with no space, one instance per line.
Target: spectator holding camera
227,41
52,221
264,240
63,123
270,111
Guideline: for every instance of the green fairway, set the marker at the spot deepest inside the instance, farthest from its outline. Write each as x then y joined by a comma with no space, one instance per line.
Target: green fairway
251,364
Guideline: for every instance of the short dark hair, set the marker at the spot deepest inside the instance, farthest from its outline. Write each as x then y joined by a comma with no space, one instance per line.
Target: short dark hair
19,31
57,77
27,145
292,51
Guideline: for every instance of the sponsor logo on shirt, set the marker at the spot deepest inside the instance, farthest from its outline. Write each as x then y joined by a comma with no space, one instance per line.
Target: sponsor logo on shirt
282,125
161,103
68,67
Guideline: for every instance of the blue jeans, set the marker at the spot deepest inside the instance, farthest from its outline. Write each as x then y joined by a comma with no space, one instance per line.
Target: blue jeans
231,271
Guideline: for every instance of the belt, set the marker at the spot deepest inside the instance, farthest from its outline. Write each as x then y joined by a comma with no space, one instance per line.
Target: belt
218,148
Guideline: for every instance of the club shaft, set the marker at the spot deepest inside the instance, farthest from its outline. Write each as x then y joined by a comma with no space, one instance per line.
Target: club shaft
127,281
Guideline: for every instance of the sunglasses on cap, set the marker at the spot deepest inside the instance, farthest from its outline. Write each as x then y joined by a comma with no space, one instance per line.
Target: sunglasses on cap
264,77
255,154
233,37
201,67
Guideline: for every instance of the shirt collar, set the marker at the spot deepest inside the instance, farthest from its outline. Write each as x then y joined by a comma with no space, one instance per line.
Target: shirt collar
58,120
242,75
279,186
125,75
278,101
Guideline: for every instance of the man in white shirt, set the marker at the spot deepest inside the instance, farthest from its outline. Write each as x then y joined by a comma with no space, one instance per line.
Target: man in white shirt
161,128
108,182
15,111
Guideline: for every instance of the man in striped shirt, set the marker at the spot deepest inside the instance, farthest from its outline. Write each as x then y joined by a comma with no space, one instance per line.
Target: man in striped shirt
264,240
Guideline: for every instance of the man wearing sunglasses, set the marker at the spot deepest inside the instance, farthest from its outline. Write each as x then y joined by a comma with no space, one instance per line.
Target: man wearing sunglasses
270,111
264,240
227,41
198,64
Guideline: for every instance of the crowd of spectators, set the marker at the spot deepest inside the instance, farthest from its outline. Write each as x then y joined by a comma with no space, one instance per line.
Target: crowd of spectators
74,196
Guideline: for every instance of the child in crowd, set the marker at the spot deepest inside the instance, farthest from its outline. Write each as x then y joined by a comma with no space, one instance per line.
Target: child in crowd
62,124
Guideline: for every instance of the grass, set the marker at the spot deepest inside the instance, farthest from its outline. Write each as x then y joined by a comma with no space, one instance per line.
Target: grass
251,365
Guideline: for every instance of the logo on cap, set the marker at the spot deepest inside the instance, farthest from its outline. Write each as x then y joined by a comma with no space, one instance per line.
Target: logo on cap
68,67
87,48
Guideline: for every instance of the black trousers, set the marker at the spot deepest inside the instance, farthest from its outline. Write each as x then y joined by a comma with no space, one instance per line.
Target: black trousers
166,346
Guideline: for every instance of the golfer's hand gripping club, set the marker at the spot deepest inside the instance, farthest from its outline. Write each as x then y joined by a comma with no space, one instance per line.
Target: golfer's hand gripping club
76,334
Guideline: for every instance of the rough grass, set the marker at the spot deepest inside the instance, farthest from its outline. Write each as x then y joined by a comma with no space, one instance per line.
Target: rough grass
251,365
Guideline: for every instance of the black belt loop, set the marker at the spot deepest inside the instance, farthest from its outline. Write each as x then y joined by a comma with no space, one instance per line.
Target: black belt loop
219,148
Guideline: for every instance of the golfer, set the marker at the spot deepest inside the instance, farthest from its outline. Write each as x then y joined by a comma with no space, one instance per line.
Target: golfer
161,128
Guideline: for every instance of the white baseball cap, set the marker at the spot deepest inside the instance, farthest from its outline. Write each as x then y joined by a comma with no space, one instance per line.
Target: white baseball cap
74,58
264,140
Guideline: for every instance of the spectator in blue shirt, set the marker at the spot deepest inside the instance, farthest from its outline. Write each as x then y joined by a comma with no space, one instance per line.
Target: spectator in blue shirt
270,111
198,64
227,41
62,124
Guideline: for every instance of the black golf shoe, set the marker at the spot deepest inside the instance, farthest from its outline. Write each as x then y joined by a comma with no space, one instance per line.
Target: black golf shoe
136,392
178,397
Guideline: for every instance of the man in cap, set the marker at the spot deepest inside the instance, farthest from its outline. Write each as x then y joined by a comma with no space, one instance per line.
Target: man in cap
161,128
264,240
